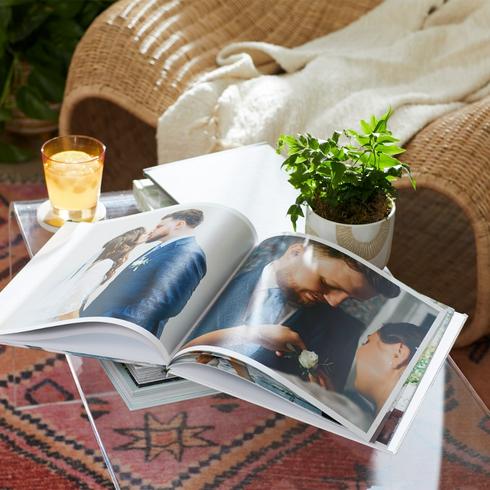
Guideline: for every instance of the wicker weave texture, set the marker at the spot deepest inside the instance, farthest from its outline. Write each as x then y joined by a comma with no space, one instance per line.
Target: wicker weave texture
426,222
131,144
141,54
451,156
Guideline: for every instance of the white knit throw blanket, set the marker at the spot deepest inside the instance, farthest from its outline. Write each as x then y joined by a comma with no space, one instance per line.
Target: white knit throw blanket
421,64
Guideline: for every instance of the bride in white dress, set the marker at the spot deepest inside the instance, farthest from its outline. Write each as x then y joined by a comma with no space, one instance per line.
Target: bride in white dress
96,272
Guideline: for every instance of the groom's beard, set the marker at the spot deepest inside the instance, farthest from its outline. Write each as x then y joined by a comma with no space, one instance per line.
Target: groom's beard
154,239
293,294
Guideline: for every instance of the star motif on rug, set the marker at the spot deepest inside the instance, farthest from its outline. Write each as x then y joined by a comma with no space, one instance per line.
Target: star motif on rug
172,436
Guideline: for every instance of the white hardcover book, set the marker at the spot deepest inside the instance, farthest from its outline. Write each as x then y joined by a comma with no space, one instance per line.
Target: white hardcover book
248,179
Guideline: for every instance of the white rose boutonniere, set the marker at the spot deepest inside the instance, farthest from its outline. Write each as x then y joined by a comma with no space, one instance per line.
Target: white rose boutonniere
136,264
308,359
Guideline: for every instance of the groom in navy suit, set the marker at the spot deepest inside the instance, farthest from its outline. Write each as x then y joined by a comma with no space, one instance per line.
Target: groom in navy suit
285,298
157,285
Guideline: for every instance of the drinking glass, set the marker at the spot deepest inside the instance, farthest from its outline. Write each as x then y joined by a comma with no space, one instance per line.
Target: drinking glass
73,172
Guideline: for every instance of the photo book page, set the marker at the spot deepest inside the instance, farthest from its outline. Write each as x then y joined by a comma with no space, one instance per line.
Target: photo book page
152,273
187,291
340,334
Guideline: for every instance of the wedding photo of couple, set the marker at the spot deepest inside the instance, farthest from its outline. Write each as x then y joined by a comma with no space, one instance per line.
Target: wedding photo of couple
320,319
153,272
144,276
167,267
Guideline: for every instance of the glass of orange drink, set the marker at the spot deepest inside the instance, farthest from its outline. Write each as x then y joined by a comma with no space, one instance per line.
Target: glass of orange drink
73,171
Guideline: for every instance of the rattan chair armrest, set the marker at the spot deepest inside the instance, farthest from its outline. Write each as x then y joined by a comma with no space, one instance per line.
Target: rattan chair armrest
451,156
142,54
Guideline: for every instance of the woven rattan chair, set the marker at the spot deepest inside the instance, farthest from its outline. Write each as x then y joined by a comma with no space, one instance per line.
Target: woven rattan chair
140,55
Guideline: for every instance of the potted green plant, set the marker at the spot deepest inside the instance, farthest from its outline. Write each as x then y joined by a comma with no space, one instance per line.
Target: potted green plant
37,40
346,184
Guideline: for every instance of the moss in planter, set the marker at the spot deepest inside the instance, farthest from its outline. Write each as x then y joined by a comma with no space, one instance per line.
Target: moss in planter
355,212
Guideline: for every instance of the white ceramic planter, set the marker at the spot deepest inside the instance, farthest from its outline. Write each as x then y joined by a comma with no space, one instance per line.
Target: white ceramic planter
371,241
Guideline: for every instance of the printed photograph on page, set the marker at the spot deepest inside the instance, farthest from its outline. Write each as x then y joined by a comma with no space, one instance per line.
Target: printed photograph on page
321,321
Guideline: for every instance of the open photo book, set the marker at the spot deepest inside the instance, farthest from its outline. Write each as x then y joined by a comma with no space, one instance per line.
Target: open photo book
289,322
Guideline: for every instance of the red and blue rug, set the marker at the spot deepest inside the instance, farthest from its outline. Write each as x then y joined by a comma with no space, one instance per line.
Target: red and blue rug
207,443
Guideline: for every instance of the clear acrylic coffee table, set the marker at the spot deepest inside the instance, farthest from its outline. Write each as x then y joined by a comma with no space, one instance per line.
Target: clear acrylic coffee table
221,442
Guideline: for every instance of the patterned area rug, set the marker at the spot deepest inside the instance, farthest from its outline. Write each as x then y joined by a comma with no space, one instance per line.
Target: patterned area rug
213,442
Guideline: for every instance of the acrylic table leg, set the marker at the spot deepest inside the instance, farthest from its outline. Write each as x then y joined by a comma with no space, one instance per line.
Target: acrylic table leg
12,393
74,363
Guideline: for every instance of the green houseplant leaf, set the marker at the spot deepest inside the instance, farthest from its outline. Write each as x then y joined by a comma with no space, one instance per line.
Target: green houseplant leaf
48,83
350,170
35,15
32,104
12,154
37,39
5,114
67,10
5,16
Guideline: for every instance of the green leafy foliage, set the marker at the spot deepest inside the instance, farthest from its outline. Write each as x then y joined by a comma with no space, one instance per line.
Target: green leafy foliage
350,167
30,102
10,153
37,40
421,367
